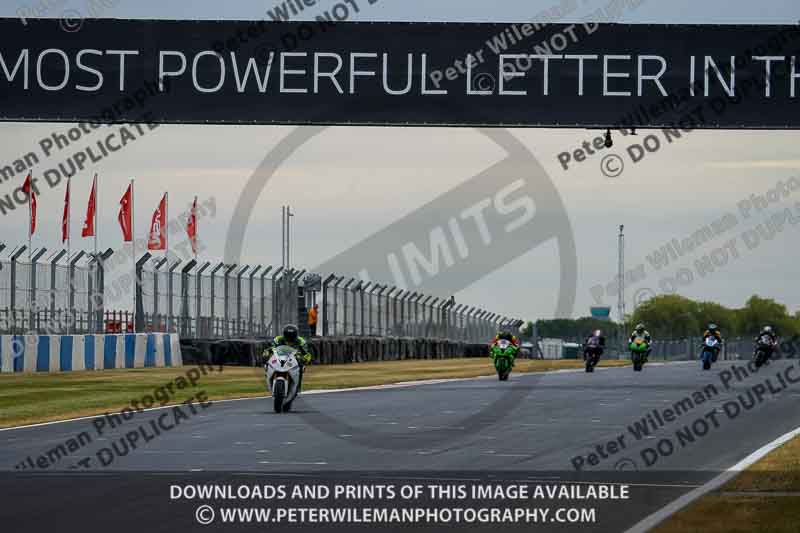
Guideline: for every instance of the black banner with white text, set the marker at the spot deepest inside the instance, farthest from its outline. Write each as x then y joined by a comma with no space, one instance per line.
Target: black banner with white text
321,72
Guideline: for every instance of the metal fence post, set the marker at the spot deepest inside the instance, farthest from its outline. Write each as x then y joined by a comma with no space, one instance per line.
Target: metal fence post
375,310
379,297
276,297
156,267
406,303
364,290
250,301
417,322
171,295
456,327
198,302
389,320
226,300
53,291
238,329
34,305
397,313
324,287
213,317
345,290
443,314
100,302
434,319
263,318
184,323
297,300
356,289
70,288
138,312
481,324
13,287
425,325
336,305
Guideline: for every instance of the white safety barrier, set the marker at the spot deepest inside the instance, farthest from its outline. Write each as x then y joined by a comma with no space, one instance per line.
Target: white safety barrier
551,348
65,353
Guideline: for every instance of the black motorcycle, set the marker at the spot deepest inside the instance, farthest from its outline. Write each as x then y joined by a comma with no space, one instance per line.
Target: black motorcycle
592,356
765,347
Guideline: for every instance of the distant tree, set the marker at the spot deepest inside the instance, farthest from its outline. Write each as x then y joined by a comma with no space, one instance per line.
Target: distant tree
759,312
563,328
668,316
675,316
725,318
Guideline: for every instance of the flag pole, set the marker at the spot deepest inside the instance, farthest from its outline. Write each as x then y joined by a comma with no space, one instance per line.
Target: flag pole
96,207
96,229
133,255
166,251
30,216
69,236
194,220
69,219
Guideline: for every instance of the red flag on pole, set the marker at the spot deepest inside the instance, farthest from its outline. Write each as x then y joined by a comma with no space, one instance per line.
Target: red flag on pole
88,224
28,189
65,216
191,226
124,216
158,227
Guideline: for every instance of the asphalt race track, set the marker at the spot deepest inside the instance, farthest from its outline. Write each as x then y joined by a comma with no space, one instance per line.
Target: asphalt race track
536,426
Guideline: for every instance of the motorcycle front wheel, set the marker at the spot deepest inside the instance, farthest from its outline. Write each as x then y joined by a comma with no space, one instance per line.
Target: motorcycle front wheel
278,394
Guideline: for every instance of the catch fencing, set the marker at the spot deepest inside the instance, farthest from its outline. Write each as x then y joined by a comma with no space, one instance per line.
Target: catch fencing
70,293
683,349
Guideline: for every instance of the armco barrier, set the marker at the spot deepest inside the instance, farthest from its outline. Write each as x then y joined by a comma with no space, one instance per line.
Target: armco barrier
332,350
65,353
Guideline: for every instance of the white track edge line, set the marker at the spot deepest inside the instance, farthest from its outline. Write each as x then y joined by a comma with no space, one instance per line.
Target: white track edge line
664,513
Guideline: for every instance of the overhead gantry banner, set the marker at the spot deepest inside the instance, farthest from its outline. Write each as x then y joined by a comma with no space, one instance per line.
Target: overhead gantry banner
320,72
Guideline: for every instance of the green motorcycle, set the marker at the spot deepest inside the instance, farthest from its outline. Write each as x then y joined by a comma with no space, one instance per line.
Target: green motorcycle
638,348
503,354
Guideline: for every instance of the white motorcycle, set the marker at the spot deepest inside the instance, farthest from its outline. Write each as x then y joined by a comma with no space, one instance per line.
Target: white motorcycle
283,377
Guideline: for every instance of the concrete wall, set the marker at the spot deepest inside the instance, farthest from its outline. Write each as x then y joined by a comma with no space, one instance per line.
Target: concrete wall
332,350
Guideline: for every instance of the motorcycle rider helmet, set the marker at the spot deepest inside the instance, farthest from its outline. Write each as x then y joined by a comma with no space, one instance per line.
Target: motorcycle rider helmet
639,328
290,333
598,333
712,327
767,329
504,335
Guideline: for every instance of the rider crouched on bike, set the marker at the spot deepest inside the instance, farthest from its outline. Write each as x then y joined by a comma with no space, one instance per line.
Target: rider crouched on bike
504,336
291,337
640,331
594,345
507,336
713,331
769,332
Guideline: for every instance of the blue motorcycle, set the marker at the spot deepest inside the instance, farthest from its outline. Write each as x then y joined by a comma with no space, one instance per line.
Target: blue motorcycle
711,347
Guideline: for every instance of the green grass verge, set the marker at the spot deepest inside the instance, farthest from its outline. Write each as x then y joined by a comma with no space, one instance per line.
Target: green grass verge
30,398
735,509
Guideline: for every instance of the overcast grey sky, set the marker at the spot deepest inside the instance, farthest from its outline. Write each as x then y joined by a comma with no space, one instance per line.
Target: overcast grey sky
348,183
